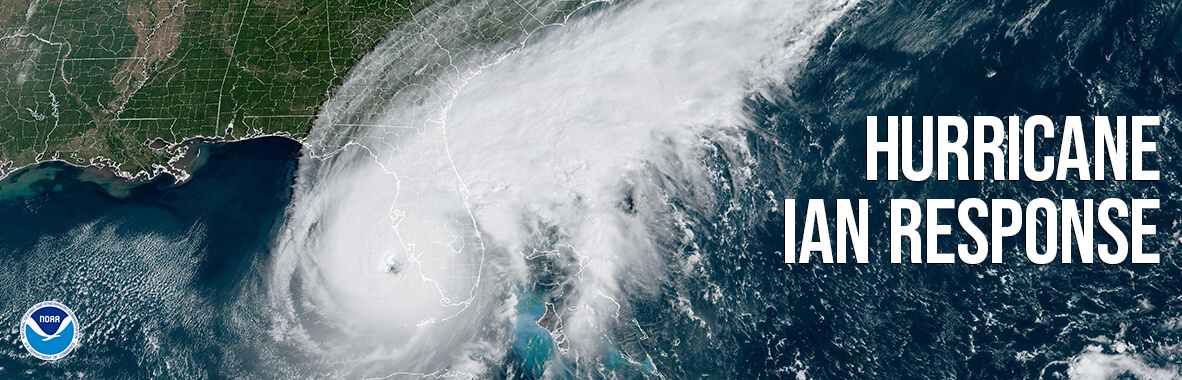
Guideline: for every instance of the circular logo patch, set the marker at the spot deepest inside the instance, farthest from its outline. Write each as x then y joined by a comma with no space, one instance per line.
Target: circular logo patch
49,330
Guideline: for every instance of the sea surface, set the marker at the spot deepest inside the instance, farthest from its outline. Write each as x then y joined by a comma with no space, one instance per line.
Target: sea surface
147,256
171,280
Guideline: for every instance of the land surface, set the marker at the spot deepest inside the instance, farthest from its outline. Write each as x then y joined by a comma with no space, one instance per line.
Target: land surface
121,84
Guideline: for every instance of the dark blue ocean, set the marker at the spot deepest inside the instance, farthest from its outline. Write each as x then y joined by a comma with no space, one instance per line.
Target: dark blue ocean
149,257
164,277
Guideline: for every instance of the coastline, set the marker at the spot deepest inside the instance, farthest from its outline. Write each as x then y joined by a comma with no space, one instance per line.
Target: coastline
187,157
164,259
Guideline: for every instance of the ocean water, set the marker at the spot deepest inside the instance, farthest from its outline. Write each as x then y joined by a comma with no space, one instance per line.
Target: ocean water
625,170
147,270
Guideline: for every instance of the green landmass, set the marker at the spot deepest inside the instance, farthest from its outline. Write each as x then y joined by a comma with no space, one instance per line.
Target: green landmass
105,79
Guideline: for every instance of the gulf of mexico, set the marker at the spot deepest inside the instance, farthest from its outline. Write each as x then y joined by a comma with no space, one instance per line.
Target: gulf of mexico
151,269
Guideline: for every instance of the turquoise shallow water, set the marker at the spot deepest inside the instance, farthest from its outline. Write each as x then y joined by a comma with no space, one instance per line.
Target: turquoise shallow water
165,278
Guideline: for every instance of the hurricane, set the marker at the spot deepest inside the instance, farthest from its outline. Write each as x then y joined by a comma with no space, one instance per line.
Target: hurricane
450,187
560,189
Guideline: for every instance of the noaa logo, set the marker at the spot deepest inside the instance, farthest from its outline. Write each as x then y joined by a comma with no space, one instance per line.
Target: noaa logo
49,330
